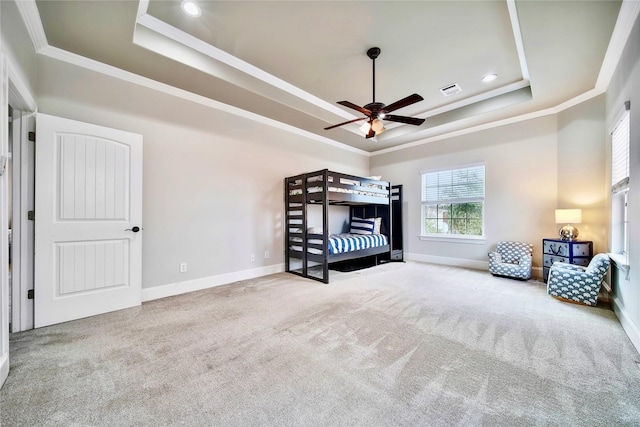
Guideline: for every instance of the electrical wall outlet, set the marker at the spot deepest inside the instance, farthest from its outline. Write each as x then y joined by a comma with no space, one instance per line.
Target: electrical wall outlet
266,254
183,267
253,257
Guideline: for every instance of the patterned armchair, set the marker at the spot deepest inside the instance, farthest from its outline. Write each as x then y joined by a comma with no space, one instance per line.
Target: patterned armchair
511,259
575,283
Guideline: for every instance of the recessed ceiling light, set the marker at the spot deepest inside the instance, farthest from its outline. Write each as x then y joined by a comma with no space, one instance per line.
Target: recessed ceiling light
190,8
489,78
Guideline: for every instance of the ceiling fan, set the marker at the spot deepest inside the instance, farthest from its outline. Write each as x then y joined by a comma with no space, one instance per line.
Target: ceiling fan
377,111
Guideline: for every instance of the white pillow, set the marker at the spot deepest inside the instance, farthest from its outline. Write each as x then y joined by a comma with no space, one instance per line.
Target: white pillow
362,226
314,230
377,226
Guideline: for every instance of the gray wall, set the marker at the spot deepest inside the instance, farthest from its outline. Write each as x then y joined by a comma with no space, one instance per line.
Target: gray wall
625,86
532,168
582,169
521,185
213,182
16,44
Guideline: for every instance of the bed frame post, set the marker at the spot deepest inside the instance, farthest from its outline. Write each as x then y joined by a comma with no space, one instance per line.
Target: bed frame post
287,264
325,227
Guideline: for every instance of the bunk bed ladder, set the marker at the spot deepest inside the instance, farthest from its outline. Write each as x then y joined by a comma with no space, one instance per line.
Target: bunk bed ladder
296,222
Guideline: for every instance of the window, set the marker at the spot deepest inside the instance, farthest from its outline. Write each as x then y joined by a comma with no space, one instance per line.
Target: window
620,183
453,202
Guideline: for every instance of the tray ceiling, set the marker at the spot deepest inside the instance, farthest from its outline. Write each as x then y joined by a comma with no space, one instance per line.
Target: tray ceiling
291,61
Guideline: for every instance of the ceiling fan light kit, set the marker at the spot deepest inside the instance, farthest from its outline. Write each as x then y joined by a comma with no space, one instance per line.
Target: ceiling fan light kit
375,112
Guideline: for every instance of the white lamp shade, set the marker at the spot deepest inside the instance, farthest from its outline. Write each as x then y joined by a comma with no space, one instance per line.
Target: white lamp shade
377,125
568,216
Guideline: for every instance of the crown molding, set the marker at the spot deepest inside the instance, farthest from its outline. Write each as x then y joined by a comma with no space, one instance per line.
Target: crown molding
20,96
629,11
517,37
31,17
99,67
217,55
498,123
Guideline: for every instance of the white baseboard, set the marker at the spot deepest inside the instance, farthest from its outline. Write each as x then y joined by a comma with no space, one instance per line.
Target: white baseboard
632,330
454,262
171,289
536,272
4,368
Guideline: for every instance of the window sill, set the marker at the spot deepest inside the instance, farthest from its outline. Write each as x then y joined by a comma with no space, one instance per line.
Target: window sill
476,240
621,261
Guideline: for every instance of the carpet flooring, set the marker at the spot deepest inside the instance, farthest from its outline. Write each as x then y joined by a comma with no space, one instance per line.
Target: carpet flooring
400,344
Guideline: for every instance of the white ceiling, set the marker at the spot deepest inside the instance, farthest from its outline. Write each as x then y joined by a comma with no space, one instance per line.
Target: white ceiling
291,61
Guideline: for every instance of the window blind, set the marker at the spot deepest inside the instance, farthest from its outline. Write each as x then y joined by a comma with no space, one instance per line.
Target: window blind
620,153
461,185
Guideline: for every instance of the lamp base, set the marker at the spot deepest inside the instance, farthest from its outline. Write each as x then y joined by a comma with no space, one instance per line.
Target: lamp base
569,232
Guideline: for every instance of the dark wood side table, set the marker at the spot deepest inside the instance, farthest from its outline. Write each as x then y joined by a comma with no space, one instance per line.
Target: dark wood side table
577,252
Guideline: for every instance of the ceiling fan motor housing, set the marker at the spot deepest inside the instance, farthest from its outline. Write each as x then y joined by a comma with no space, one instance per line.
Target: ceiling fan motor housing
375,108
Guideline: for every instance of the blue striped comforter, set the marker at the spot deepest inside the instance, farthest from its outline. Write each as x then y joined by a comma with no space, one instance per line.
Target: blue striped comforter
339,243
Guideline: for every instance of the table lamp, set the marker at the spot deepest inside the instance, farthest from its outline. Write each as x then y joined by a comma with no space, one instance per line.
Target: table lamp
568,217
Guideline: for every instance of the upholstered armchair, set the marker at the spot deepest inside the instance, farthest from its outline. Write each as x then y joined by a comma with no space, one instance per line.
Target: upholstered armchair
576,283
511,259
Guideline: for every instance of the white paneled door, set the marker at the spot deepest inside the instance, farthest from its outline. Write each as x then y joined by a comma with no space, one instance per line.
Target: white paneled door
88,220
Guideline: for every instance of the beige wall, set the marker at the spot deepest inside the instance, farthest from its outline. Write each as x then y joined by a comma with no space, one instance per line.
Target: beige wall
582,169
213,182
521,187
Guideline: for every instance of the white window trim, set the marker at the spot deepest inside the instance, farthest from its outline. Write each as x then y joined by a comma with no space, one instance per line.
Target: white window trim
621,259
454,238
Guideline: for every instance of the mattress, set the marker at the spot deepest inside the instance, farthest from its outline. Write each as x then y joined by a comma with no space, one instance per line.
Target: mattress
343,181
340,243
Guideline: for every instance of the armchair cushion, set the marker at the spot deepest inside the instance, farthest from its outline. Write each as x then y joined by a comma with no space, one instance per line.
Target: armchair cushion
511,259
578,284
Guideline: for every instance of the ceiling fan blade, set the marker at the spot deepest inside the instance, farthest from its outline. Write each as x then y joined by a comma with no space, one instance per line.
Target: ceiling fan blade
402,119
411,99
355,107
345,123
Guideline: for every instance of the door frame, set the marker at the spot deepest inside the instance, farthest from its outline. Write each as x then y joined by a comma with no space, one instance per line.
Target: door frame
21,99
14,92
22,238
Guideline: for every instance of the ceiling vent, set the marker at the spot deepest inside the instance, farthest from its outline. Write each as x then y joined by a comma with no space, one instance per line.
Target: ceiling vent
451,89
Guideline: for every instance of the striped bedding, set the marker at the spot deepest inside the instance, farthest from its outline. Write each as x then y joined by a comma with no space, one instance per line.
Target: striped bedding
340,243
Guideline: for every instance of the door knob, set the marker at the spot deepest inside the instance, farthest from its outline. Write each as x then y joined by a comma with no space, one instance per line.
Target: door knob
134,229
